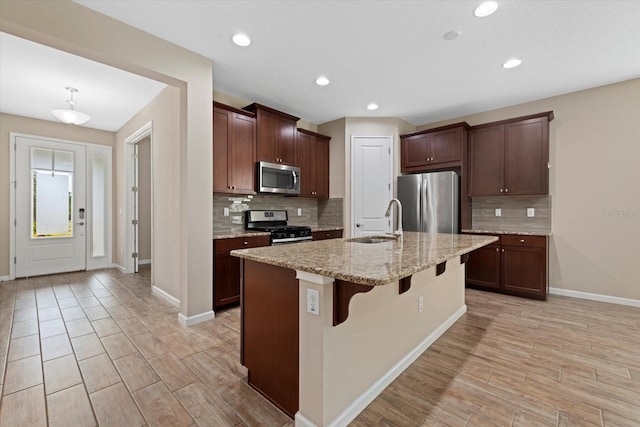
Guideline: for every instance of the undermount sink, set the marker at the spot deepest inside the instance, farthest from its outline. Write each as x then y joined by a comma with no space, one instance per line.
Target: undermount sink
373,239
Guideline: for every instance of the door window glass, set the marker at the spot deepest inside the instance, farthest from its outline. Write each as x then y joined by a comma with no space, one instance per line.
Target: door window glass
51,193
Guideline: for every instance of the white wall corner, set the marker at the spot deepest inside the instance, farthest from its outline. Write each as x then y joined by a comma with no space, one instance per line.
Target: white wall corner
192,320
165,296
595,297
302,421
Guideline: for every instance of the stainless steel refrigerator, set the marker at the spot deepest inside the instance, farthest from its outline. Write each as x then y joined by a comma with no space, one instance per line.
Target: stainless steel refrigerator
430,202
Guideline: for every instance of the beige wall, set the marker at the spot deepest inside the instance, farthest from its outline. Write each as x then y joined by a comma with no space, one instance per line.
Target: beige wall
164,112
144,196
594,186
106,40
240,103
10,123
341,132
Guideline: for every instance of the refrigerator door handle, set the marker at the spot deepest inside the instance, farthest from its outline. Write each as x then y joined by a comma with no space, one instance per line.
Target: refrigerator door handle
424,204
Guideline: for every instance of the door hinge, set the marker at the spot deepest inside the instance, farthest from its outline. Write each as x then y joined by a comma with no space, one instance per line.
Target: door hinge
389,186
15,222
389,150
134,222
134,255
134,189
15,260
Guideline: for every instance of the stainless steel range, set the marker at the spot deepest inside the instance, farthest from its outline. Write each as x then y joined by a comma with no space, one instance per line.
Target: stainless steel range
275,222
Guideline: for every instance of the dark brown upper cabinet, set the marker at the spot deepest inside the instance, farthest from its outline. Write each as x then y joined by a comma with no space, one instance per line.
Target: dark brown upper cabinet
234,150
438,148
276,142
510,157
313,161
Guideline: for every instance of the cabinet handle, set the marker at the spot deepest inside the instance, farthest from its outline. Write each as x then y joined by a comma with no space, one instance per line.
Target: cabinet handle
501,190
503,250
432,159
245,243
521,240
497,249
506,190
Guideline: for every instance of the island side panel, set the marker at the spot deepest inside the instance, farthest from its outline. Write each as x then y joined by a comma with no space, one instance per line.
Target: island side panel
270,332
384,328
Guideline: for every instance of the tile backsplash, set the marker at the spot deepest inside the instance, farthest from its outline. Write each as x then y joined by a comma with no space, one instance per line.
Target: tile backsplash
326,212
514,213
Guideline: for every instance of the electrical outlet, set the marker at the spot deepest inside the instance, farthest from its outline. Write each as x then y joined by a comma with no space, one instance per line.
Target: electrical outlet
531,212
313,301
498,212
226,211
299,211
420,304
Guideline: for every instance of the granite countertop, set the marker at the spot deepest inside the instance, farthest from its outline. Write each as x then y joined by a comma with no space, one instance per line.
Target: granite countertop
523,233
230,234
368,264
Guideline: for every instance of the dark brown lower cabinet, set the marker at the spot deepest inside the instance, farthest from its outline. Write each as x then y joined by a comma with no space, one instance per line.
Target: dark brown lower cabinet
269,333
515,266
226,269
324,235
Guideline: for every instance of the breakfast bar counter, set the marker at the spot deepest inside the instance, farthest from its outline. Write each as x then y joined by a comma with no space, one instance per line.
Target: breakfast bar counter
327,325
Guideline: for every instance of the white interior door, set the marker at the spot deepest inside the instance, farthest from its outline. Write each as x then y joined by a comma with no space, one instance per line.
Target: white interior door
371,184
50,207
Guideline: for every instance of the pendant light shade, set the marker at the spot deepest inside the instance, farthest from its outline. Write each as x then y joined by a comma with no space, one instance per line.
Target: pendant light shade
71,116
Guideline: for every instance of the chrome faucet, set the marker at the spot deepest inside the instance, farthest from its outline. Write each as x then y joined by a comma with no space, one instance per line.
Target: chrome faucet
398,225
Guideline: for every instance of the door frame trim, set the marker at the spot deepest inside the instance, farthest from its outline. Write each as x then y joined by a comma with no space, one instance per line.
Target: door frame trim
352,178
145,131
12,195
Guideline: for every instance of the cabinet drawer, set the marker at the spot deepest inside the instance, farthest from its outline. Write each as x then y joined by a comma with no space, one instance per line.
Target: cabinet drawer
322,235
226,245
520,240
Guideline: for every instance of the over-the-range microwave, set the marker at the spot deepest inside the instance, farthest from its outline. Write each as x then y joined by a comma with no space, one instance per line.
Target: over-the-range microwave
277,178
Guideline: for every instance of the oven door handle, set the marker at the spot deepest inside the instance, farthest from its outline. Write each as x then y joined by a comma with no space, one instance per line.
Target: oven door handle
291,239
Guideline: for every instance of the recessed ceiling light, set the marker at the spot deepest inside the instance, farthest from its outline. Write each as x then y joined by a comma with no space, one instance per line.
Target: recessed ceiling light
241,40
372,106
512,63
451,35
486,8
322,81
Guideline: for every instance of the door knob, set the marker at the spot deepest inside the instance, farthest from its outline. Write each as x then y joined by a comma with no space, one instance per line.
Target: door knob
357,225
80,223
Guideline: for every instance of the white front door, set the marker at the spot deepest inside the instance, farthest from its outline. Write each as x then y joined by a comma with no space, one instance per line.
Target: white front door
371,184
51,214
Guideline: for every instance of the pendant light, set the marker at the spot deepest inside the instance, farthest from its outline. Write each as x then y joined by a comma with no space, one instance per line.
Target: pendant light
71,116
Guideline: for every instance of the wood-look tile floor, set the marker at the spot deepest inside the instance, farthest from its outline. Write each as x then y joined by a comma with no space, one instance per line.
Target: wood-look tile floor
97,348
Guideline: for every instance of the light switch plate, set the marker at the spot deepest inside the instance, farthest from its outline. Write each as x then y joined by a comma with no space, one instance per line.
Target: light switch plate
226,211
313,301
299,211
498,212
531,212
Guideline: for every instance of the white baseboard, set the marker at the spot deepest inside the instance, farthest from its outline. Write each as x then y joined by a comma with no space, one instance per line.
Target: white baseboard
595,297
192,320
4,278
144,261
165,296
360,403
119,267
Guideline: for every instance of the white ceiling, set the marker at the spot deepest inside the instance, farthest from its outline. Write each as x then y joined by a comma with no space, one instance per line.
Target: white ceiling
393,52
33,78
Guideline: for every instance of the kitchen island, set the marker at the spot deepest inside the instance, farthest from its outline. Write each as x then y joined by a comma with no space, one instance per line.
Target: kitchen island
327,325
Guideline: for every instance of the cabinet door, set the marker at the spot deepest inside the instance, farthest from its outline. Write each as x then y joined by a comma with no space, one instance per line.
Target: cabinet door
524,270
446,146
242,154
321,162
226,277
415,151
526,157
286,142
483,267
266,147
221,134
486,161
305,143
